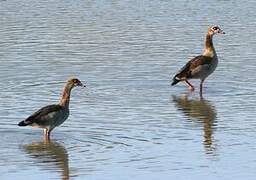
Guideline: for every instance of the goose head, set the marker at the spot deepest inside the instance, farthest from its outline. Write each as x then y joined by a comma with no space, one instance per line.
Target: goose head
74,82
215,30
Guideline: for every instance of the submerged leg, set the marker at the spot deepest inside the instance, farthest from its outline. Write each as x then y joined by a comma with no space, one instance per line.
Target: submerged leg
190,86
47,134
201,88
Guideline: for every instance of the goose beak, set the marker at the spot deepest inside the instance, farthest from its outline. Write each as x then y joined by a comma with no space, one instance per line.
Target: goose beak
221,32
81,84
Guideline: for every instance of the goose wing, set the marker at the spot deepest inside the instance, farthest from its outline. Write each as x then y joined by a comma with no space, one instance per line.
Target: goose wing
191,69
43,116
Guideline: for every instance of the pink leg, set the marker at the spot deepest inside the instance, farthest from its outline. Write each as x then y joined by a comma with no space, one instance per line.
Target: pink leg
191,87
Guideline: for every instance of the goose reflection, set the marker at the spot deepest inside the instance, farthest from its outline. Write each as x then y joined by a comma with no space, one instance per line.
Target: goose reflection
202,111
50,155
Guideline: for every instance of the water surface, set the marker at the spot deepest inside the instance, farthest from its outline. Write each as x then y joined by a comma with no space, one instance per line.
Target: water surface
128,123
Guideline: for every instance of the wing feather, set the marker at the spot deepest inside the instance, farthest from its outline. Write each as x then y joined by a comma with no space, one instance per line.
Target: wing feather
42,116
186,71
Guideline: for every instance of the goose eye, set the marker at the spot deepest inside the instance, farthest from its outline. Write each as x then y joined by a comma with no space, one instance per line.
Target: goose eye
215,28
75,81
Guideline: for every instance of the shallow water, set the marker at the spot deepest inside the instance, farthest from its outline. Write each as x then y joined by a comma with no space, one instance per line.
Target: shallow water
129,123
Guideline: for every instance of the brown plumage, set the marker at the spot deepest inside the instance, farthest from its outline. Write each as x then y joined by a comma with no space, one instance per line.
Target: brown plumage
54,115
201,66
188,70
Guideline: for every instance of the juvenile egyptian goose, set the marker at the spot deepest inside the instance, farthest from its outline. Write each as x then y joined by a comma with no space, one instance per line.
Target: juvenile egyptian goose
201,66
54,115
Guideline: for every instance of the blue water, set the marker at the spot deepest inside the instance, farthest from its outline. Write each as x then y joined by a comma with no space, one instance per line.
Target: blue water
129,123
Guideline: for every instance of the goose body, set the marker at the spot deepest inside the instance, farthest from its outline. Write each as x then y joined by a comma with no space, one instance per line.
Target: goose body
54,115
47,117
200,67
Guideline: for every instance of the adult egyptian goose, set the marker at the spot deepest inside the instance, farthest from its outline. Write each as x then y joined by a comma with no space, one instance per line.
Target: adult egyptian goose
201,66
54,115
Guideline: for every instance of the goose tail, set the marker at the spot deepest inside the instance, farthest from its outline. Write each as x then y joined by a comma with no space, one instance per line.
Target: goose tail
23,123
175,80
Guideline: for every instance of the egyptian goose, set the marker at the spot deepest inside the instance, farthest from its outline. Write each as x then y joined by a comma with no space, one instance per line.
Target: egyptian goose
201,66
54,115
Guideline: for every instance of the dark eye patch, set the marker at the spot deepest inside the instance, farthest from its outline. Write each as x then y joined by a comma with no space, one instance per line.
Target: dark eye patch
215,28
75,80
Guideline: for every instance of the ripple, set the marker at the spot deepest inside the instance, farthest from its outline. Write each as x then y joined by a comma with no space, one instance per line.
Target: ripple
129,121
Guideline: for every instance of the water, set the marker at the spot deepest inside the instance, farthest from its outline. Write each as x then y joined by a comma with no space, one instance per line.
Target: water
129,123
